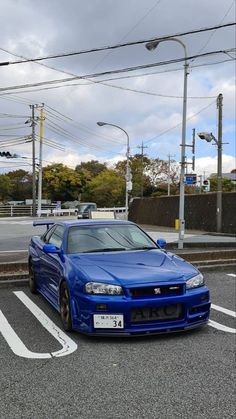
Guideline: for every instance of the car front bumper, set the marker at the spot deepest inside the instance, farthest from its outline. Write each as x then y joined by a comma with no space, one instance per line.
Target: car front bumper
195,312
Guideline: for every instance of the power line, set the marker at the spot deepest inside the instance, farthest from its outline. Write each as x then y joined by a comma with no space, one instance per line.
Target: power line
110,47
18,99
117,71
129,32
214,31
179,124
83,127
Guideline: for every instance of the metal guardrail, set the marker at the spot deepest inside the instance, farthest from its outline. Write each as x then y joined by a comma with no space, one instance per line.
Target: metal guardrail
27,210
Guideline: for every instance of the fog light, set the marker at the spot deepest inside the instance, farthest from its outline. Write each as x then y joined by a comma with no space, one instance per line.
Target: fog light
204,297
101,307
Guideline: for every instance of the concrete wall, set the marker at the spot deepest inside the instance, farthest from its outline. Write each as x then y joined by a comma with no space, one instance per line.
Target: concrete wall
200,211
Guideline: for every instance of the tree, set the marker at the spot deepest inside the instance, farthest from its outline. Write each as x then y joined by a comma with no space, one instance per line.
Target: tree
88,171
227,184
107,189
140,179
92,167
60,183
5,187
21,184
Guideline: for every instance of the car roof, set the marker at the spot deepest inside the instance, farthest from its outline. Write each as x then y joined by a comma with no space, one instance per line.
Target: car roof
104,221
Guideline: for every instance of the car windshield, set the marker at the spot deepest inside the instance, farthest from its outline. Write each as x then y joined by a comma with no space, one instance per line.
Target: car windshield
105,238
85,207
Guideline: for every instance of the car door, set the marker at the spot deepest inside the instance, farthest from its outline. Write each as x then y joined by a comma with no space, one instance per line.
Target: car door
51,265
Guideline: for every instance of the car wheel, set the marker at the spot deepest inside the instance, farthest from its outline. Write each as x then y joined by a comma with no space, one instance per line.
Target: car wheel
65,309
32,281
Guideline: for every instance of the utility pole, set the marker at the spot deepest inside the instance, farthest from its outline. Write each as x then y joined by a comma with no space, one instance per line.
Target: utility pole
40,160
168,182
219,166
193,148
33,123
142,155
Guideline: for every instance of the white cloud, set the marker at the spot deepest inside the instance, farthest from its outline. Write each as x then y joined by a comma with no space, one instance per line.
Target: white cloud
32,29
208,165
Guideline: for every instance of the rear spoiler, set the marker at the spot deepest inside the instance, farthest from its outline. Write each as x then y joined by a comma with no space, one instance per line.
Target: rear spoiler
43,223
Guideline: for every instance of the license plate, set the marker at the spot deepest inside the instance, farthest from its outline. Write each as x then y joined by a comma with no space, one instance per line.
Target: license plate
140,314
108,321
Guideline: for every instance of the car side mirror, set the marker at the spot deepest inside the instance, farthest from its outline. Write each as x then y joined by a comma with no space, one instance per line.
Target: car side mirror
161,243
50,248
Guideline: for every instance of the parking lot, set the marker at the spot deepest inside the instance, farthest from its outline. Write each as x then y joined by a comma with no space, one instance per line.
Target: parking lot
187,375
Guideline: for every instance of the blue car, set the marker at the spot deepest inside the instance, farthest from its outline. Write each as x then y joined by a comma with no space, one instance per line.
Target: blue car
108,277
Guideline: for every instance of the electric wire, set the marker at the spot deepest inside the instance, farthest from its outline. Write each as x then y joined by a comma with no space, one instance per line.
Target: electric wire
179,124
116,71
214,31
111,47
83,127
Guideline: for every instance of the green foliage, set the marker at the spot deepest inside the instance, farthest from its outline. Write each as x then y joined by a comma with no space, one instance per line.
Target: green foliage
21,184
92,168
60,183
227,184
5,187
107,189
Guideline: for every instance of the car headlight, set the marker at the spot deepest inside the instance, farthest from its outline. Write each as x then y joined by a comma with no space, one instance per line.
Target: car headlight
105,289
195,281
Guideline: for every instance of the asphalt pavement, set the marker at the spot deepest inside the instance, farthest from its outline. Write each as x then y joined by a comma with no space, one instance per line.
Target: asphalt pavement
186,375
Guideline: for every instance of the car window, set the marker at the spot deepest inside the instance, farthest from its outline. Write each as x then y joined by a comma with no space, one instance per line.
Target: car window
57,237
45,237
107,238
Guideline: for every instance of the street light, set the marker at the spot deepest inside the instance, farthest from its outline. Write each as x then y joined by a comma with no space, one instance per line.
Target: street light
127,177
150,47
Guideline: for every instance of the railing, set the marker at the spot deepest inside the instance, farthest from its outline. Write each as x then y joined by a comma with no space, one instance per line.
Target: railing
27,210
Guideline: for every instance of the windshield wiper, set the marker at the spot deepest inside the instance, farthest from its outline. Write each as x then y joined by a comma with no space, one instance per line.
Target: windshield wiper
144,248
106,249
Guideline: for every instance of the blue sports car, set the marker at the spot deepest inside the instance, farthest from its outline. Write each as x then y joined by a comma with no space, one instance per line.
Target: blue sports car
108,277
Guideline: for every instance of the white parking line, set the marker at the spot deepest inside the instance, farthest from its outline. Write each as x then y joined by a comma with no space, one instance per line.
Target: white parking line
223,310
219,326
16,344
233,275
68,345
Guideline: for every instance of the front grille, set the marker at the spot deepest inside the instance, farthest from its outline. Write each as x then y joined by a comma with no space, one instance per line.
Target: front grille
157,314
157,291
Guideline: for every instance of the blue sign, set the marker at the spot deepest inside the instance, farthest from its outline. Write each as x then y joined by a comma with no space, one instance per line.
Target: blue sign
190,179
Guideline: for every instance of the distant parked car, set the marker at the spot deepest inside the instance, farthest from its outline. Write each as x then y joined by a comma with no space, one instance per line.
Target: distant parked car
110,278
84,209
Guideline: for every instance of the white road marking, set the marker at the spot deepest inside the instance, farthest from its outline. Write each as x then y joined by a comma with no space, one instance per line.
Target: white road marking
221,327
224,310
68,345
19,348
15,343
233,275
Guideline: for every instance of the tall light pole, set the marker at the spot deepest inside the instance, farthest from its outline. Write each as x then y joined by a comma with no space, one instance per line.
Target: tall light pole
101,124
40,162
151,46
33,123
208,136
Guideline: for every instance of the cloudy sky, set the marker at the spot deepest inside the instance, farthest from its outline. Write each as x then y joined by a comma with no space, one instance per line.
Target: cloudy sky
147,102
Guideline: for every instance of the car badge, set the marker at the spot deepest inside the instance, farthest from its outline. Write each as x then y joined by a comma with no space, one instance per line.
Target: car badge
157,290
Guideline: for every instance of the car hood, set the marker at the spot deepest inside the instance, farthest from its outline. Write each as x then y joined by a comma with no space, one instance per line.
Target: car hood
133,267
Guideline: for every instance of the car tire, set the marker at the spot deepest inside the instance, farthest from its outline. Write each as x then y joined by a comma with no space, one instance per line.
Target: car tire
32,280
65,308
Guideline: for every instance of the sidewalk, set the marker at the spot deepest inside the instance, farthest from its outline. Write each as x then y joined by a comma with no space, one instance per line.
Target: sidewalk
192,238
